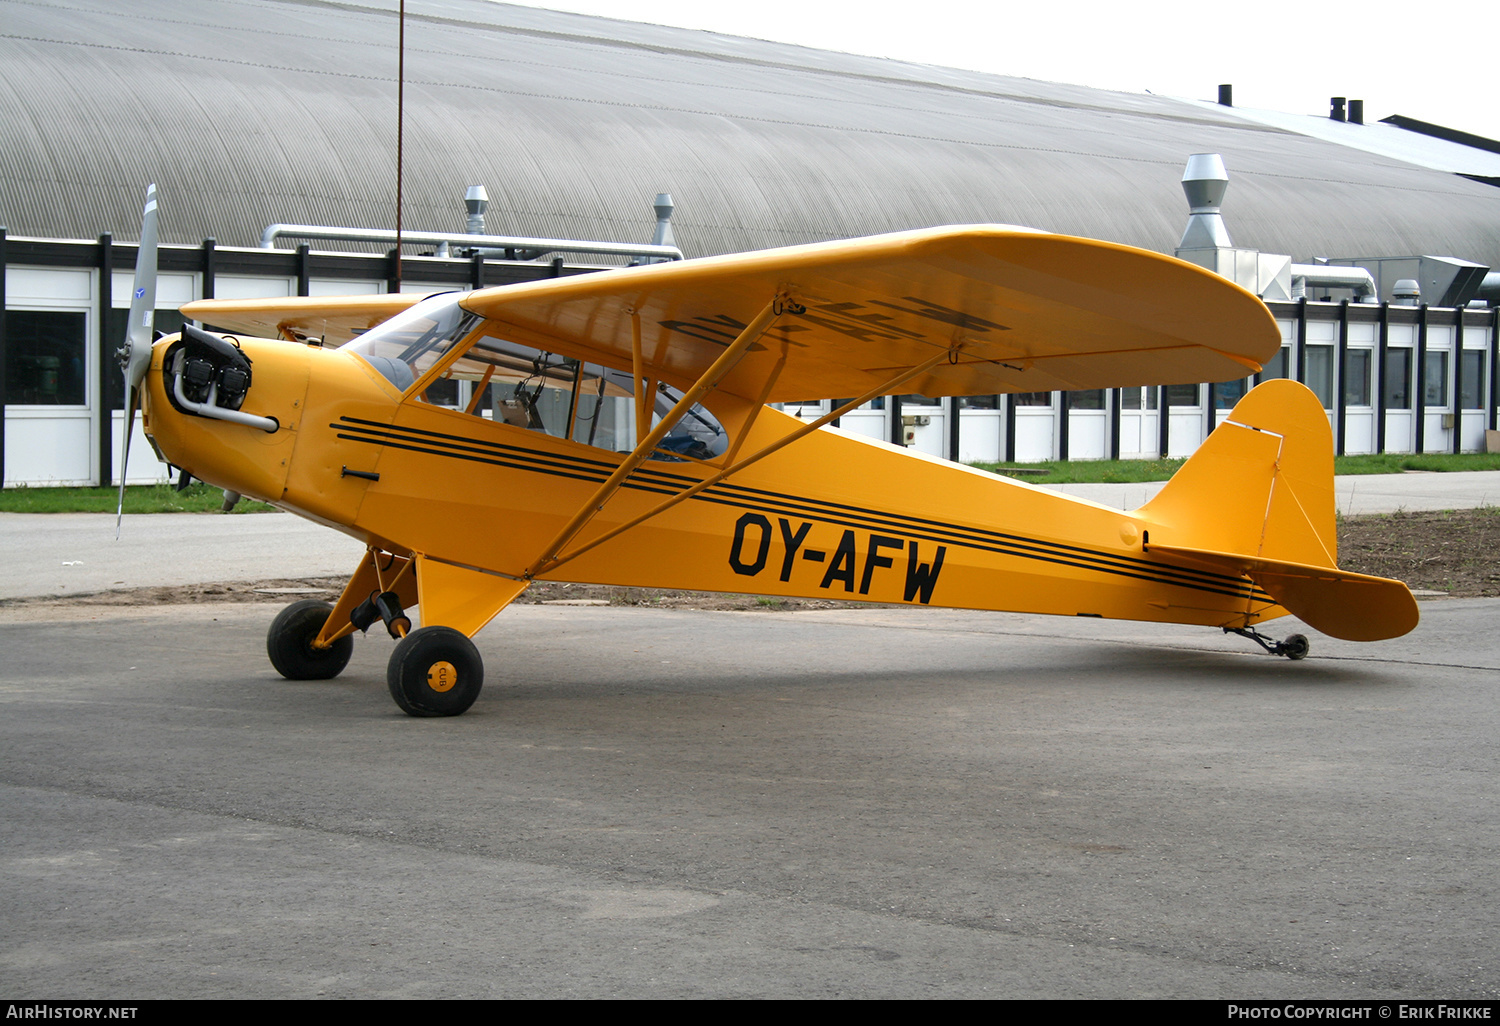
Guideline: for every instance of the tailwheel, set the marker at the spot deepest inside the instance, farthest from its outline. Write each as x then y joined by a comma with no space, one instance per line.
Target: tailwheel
435,671
1295,646
289,643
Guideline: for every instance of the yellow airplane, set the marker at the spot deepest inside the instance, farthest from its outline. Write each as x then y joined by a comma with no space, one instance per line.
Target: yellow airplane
614,429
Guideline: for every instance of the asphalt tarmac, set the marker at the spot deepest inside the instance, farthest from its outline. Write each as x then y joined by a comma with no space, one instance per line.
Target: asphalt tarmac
652,803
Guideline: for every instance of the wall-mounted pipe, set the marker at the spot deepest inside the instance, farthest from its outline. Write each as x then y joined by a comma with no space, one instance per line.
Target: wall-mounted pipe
532,247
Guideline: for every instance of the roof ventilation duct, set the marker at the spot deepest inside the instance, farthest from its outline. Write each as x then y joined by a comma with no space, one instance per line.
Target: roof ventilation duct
1444,281
476,201
1206,243
1204,182
475,242
1323,276
1406,292
663,235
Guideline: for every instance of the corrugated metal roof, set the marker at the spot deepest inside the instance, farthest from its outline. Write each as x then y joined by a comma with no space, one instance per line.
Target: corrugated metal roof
1379,138
249,112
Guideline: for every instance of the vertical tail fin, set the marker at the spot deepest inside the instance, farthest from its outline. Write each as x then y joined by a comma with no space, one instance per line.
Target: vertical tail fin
1261,485
1256,499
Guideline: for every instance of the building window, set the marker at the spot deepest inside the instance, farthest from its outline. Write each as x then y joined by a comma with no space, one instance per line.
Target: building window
1276,366
1396,381
1435,388
1031,399
1138,398
1320,374
1182,395
1087,399
45,358
1228,393
1357,377
1471,392
979,402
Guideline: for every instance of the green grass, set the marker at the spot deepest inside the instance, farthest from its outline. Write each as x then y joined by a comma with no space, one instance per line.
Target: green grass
197,498
1432,462
1087,471
1129,471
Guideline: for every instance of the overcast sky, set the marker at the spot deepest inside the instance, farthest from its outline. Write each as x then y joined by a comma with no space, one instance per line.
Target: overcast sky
1428,61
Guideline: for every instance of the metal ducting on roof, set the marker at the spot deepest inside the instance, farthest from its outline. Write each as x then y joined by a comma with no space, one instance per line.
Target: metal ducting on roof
517,247
1444,281
1361,281
1205,241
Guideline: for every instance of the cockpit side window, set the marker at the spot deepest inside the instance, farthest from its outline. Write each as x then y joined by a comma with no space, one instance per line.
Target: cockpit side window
525,387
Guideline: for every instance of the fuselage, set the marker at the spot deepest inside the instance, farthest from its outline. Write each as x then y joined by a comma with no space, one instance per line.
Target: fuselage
830,516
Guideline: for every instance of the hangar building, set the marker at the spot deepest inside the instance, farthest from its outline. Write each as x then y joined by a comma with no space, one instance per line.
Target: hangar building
254,113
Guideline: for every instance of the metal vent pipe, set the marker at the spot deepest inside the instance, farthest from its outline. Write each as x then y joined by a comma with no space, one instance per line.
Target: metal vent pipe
531,247
1204,182
476,200
663,206
1356,278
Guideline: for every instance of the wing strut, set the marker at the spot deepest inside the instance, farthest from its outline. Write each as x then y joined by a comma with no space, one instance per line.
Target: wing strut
884,388
710,378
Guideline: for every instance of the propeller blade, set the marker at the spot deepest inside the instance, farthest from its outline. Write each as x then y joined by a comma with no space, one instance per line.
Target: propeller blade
135,352
124,457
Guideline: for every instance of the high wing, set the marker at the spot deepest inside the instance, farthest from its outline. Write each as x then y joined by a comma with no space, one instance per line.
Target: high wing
1016,310
333,319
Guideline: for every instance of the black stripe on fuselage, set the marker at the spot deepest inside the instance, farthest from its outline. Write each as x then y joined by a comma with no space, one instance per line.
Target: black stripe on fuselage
662,482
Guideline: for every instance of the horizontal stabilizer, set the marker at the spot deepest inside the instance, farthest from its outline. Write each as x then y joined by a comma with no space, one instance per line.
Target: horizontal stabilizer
1353,607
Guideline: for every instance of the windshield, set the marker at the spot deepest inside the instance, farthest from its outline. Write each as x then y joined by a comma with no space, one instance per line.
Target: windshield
404,347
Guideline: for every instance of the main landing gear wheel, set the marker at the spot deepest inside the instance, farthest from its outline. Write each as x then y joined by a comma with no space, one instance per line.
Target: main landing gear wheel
435,671
289,643
1295,646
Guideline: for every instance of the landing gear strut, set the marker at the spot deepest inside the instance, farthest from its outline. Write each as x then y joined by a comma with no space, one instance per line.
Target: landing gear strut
434,671
1295,646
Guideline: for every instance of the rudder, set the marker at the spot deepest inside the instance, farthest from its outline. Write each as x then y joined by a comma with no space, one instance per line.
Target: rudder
1256,500
1260,485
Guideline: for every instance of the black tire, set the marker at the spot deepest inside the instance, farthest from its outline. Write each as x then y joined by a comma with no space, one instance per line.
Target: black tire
435,671
1296,646
289,643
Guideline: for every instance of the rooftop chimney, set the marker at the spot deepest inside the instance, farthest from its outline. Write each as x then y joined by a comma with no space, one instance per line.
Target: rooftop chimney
1206,240
475,202
663,207
1337,105
1226,95
1204,182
